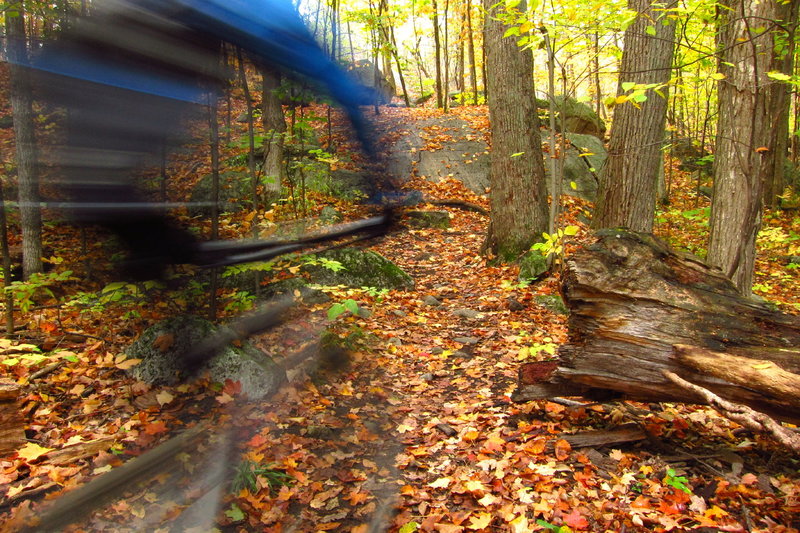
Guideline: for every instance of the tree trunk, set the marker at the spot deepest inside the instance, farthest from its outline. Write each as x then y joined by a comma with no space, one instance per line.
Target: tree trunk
438,54
518,195
473,69
632,301
778,102
627,192
743,126
214,149
8,299
22,108
251,142
274,128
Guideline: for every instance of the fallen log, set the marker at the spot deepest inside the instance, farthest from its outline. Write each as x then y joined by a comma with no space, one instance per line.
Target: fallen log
631,300
12,424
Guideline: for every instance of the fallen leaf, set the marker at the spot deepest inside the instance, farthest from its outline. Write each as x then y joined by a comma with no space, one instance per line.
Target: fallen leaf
154,428
562,449
164,397
479,521
32,451
441,483
164,342
488,499
575,520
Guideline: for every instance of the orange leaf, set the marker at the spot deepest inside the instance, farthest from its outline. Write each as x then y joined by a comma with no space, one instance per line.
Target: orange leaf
562,449
257,441
357,497
495,443
448,528
154,428
164,342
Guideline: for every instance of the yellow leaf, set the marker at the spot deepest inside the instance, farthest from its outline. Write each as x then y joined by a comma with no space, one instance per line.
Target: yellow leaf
479,521
621,99
473,485
13,491
762,366
128,363
519,524
32,451
488,499
164,397
715,512
441,483
718,76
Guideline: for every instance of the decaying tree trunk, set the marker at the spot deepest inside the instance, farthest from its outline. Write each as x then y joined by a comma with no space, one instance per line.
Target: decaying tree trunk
638,309
12,426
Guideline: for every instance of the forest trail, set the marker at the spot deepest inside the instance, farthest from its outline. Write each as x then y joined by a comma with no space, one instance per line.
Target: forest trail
416,430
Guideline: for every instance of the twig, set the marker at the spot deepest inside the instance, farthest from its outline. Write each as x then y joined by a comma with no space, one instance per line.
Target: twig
741,414
46,370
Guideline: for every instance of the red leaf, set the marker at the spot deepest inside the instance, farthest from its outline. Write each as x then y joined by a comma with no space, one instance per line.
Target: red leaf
575,520
154,428
232,388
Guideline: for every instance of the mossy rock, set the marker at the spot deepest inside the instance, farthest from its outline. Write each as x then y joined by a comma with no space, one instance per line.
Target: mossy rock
330,215
235,194
162,348
429,219
553,302
577,116
532,266
362,268
350,184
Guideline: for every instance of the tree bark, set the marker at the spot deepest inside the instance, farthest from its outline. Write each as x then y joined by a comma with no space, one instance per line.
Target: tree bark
274,128
22,108
251,142
518,195
759,374
473,70
8,298
438,53
778,96
743,136
631,300
627,192
12,425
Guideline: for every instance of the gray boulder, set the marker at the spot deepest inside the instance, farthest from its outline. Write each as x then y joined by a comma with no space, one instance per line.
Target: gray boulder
577,116
584,159
362,268
463,157
163,346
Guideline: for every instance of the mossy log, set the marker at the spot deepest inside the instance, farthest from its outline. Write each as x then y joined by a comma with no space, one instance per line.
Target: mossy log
632,300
